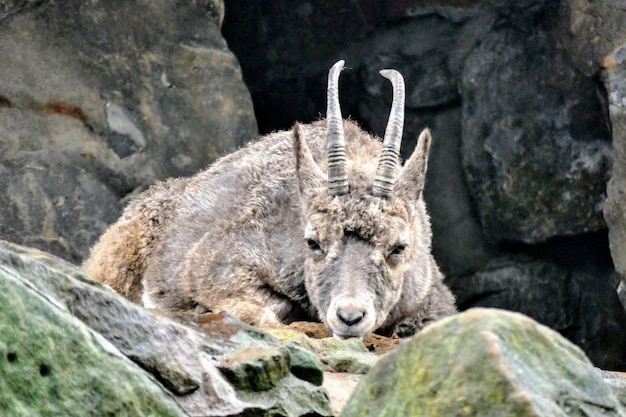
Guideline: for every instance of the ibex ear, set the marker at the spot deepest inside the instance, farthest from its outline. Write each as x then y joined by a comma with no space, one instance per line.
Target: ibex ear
309,174
413,175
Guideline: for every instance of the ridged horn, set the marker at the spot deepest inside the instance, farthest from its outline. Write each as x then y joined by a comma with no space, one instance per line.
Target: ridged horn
390,156
337,176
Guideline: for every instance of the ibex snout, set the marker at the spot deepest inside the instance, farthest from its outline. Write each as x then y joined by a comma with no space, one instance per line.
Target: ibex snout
350,317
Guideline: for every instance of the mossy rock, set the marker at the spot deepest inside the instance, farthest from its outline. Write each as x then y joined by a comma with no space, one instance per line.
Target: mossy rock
484,362
53,365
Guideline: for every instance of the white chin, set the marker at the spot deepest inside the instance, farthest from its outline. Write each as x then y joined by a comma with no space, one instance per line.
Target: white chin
340,336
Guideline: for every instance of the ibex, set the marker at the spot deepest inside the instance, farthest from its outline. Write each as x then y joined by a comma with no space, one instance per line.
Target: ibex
317,223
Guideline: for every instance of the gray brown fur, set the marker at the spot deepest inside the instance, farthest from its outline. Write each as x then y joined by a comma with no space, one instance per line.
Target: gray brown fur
258,235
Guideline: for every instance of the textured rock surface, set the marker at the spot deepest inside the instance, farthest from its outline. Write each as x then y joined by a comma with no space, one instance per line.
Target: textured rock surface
575,308
615,80
591,30
98,99
236,370
349,355
535,151
52,364
485,362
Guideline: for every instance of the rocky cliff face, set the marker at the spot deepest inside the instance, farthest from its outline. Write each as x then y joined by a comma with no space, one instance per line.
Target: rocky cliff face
525,101
99,100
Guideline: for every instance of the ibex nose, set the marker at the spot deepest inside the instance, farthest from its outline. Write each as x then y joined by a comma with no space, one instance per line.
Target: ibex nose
350,318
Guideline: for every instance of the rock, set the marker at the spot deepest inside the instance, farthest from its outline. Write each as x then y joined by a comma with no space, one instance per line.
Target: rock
485,362
582,308
52,364
349,355
340,386
617,382
615,81
590,31
99,100
535,156
236,370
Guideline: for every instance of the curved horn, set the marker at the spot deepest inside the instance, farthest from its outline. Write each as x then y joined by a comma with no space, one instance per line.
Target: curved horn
390,156
337,176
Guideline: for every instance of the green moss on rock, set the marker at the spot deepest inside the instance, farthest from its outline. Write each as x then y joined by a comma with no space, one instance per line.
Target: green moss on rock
484,362
53,365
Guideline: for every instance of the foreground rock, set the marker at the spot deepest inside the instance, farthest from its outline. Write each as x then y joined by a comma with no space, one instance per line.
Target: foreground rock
78,344
99,99
53,365
486,362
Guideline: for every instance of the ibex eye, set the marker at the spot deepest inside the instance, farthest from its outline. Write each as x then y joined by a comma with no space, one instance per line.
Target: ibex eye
398,249
313,245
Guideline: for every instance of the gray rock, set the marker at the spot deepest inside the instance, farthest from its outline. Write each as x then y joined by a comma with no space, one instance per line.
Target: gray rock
485,362
579,305
99,100
536,151
52,364
335,355
617,382
590,31
235,371
615,81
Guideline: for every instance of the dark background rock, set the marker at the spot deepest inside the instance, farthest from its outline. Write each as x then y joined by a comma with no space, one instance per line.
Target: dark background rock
615,79
97,101
536,143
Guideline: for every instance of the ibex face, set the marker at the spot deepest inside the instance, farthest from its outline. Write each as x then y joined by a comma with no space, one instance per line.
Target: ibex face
365,231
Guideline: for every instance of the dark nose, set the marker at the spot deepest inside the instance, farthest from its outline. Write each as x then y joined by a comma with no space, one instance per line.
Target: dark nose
350,318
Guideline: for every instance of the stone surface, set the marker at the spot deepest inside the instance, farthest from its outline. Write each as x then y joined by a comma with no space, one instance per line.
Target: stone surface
234,371
585,311
99,100
52,364
485,362
340,386
615,81
591,30
349,355
536,150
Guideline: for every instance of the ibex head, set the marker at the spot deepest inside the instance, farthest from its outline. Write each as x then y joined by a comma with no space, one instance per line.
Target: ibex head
366,228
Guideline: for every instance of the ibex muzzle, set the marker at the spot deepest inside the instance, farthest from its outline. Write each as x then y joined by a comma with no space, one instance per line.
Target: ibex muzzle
337,232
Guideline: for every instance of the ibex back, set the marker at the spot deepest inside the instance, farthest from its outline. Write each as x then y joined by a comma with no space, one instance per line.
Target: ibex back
319,222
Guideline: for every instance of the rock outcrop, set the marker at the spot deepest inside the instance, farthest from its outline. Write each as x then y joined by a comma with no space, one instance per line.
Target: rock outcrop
615,80
99,100
486,362
74,347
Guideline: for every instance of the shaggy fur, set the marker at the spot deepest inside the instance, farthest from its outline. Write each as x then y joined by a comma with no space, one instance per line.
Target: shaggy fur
257,235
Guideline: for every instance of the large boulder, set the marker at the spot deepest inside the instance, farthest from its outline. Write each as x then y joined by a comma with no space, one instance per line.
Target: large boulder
101,99
57,321
486,362
52,364
536,146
